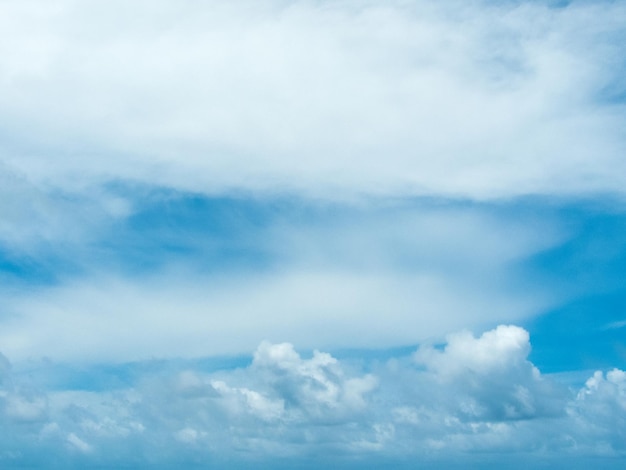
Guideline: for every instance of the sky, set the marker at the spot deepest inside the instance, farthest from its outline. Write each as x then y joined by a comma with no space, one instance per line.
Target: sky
312,233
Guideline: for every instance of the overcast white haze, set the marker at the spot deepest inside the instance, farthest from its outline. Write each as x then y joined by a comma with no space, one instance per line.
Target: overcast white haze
305,234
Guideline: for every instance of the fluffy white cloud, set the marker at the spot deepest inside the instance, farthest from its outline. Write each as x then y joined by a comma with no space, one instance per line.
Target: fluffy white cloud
491,376
601,407
316,387
495,351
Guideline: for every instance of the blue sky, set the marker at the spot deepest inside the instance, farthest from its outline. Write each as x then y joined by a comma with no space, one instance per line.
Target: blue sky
294,234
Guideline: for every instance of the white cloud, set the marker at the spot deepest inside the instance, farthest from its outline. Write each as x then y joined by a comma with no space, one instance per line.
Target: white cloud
287,406
390,277
458,99
363,103
491,376
495,351
601,408
316,387
243,400
169,316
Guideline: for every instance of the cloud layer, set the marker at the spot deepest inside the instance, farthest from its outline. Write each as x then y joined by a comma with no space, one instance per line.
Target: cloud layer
183,179
467,99
222,278
472,394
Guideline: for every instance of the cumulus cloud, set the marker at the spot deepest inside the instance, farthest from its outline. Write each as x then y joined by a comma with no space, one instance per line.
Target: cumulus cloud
491,375
601,404
316,387
495,350
474,393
